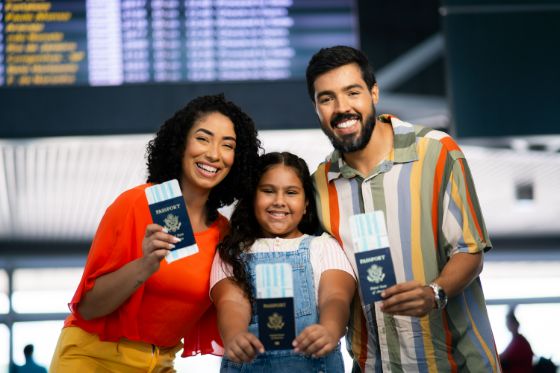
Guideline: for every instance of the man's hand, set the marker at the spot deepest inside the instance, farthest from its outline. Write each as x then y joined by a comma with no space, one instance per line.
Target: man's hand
315,340
243,347
408,299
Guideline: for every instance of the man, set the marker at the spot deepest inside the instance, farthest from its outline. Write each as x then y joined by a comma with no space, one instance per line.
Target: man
30,365
434,319
518,355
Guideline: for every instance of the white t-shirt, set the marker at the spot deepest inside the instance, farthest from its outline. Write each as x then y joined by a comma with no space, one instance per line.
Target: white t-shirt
324,252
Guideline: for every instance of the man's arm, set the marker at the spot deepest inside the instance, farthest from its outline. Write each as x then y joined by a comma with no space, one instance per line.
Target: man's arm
413,298
465,237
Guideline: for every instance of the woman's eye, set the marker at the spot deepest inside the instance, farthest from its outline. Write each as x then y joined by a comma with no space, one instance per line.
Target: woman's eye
200,138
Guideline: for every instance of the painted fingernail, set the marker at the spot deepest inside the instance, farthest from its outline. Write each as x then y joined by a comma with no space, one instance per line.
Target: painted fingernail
164,230
176,239
171,246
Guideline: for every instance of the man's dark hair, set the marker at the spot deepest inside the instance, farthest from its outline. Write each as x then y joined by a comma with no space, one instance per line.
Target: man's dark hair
331,58
28,351
165,151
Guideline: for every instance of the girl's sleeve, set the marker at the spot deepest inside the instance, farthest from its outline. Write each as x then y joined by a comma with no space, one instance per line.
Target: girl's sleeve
327,253
219,271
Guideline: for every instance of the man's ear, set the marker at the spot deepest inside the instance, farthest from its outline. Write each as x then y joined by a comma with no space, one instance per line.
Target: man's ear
375,94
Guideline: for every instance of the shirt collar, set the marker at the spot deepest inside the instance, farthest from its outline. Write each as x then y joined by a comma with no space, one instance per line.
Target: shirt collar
404,150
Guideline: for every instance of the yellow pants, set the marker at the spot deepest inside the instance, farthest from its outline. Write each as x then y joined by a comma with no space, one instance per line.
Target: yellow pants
80,351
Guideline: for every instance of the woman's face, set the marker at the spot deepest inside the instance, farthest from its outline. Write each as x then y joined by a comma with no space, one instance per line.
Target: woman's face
209,152
280,202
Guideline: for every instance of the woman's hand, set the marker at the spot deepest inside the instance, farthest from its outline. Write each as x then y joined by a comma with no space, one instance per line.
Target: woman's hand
315,340
155,246
243,347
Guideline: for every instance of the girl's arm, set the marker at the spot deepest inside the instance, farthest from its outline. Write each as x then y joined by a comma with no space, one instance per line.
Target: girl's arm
111,290
234,316
336,290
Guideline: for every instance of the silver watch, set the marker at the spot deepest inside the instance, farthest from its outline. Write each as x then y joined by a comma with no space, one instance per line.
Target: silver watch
439,295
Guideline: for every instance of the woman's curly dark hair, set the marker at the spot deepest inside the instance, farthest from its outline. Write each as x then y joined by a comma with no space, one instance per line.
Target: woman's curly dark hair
165,152
244,226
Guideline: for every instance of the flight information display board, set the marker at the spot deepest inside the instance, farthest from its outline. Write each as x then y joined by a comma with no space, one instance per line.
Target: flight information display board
113,43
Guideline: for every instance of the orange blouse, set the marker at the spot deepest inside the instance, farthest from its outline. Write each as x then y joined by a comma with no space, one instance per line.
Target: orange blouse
172,304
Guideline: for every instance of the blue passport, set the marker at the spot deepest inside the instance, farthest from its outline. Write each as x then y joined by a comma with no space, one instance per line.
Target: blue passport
168,209
275,305
277,328
375,272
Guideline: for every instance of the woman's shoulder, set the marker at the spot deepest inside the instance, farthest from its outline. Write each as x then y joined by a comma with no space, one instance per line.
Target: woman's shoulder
130,199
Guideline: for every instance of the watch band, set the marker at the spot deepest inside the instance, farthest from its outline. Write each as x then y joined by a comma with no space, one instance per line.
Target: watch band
439,295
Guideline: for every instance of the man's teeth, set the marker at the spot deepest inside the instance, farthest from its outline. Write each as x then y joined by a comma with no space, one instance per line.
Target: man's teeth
346,124
207,168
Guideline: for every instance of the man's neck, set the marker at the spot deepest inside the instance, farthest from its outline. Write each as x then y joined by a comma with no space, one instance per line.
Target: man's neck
364,161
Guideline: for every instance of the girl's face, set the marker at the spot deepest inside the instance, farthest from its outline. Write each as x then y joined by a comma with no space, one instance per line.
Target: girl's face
280,202
209,152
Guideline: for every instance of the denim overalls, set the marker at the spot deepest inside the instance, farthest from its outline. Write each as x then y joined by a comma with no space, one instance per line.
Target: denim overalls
305,305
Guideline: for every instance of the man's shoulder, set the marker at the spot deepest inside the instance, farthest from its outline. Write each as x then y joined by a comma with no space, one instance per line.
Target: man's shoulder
437,138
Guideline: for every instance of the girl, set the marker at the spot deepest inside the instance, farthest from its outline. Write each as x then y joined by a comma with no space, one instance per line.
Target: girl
273,223
132,309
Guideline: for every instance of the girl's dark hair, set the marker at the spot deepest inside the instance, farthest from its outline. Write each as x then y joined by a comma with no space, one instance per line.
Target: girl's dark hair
244,226
165,152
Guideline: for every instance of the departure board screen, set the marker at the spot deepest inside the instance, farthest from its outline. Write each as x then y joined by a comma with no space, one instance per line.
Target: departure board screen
127,42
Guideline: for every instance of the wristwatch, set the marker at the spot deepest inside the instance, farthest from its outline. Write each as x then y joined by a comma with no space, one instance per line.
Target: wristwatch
439,296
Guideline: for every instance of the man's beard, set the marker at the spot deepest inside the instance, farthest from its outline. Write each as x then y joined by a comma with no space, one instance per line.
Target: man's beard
352,142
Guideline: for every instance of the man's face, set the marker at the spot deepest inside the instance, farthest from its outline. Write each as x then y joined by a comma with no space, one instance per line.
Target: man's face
346,107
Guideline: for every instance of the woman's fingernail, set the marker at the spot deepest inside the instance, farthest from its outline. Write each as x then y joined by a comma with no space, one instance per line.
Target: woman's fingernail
164,230
176,239
171,246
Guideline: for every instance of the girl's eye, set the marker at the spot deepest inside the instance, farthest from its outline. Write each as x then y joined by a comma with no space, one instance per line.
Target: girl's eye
229,146
200,138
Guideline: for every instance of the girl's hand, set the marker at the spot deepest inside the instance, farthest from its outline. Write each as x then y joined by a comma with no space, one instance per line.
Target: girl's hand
155,246
243,347
315,340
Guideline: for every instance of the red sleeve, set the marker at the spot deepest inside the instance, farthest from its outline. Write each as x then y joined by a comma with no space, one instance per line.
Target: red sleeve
116,243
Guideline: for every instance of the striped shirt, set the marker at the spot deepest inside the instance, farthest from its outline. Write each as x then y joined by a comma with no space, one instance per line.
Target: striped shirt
425,189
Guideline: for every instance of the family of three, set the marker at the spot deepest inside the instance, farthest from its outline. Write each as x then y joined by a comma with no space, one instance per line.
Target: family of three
133,311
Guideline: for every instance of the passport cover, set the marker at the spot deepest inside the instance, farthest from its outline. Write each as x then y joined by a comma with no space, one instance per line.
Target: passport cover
275,305
375,273
277,328
168,209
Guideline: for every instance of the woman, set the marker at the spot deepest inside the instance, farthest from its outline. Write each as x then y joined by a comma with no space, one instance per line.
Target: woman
131,309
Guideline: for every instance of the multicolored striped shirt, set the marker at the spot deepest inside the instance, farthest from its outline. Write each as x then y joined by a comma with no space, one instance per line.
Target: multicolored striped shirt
425,189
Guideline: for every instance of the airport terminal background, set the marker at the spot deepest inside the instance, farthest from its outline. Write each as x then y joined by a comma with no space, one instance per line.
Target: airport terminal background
485,71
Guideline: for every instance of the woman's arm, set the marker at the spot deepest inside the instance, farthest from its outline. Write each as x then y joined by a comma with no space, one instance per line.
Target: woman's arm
113,289
234,316
336,290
